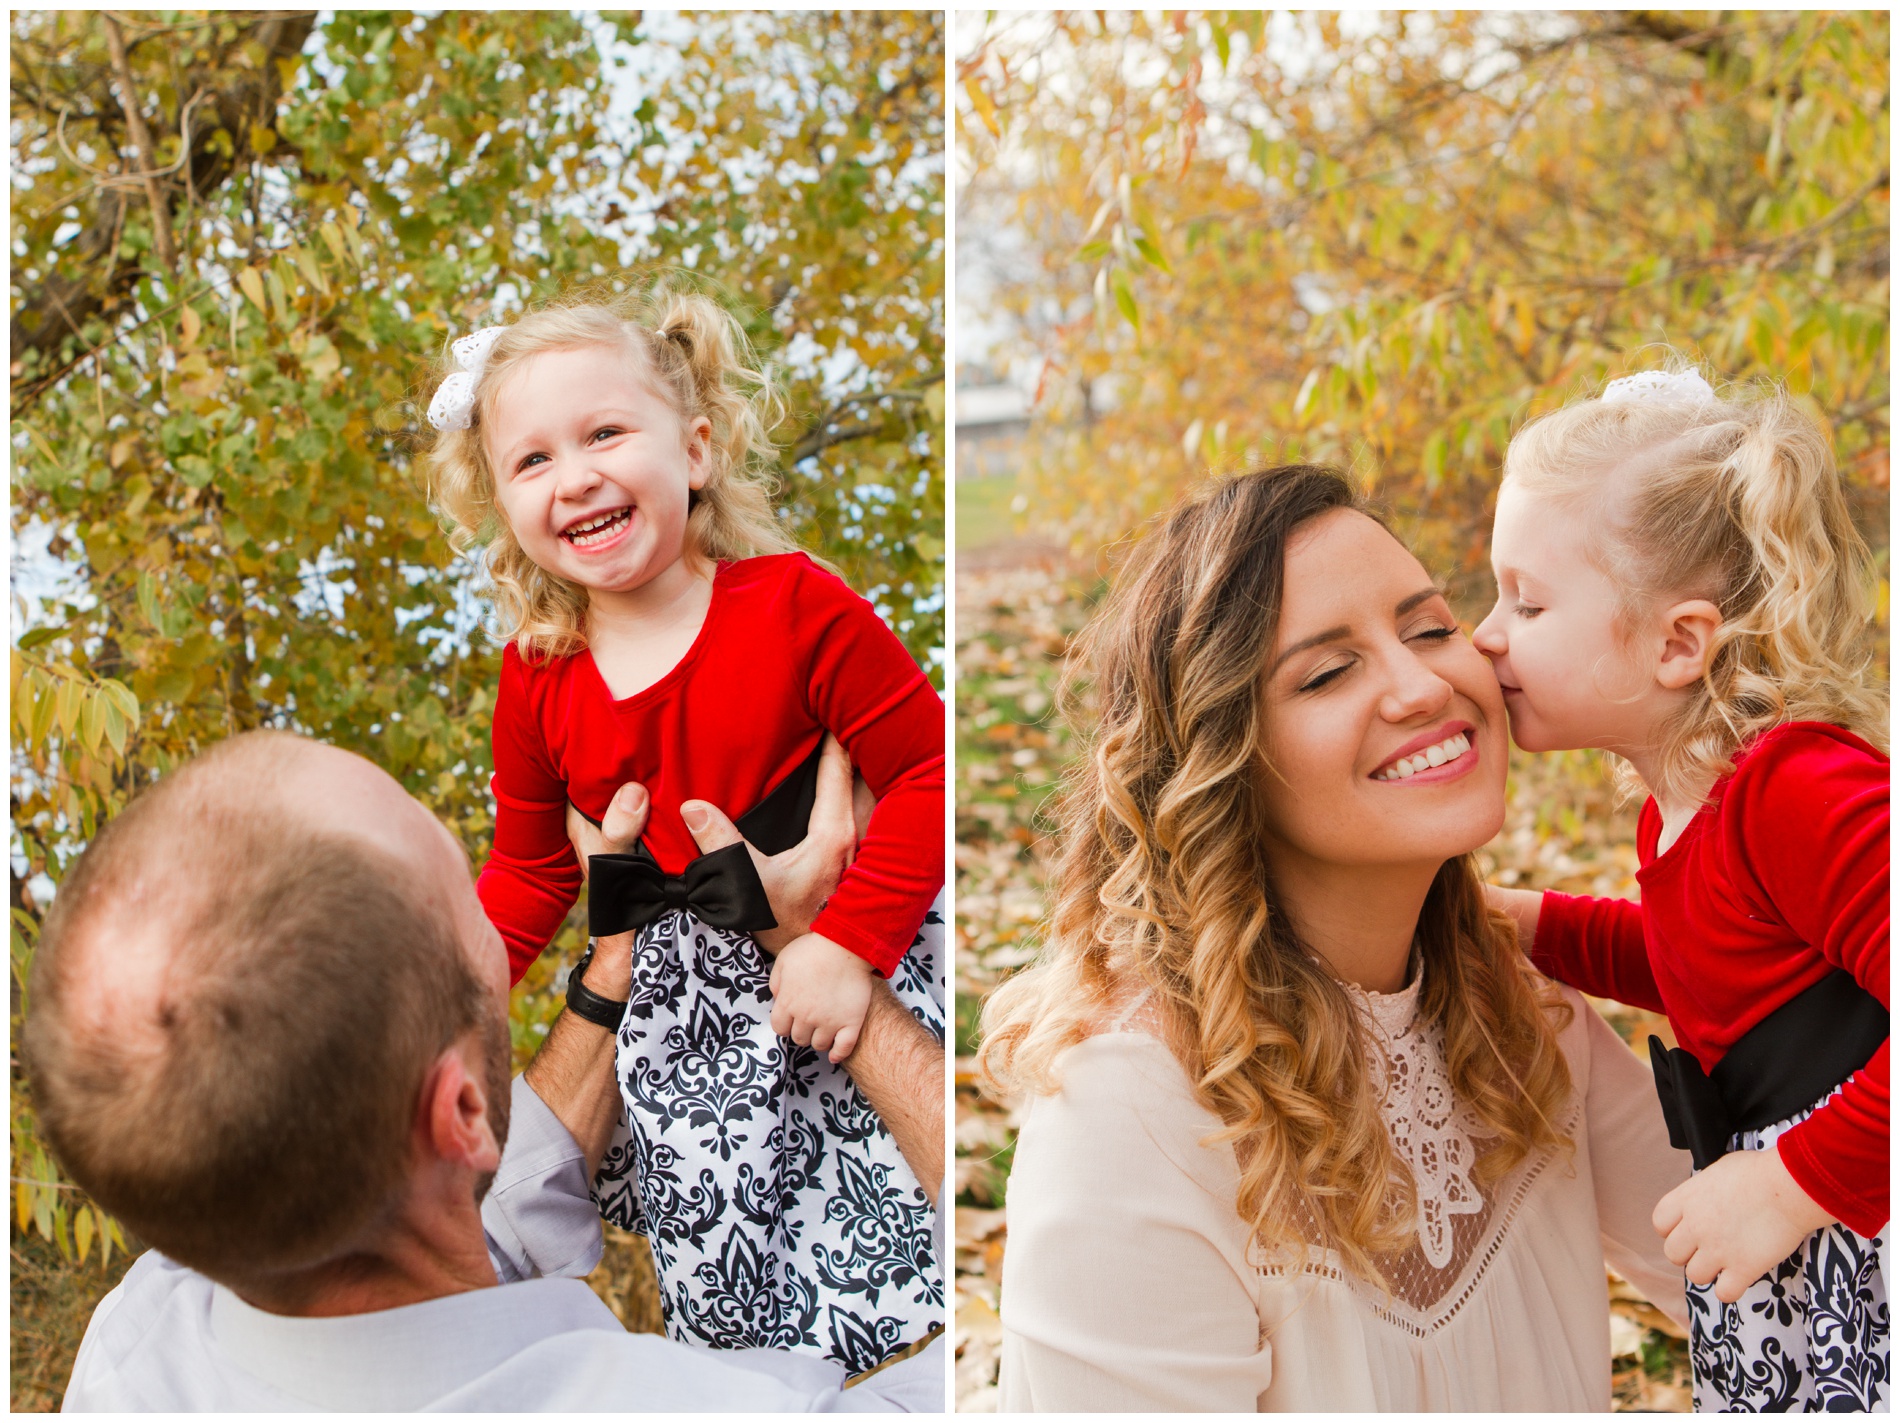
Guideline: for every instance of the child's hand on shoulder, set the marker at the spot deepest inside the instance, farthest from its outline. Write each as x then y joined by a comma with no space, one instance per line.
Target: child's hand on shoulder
820,994
1733,1222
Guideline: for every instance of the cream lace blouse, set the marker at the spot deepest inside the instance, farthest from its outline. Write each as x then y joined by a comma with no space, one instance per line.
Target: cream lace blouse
1130,1283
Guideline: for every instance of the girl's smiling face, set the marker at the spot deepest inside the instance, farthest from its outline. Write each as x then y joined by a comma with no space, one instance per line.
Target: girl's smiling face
1384,726
594,469
1569,681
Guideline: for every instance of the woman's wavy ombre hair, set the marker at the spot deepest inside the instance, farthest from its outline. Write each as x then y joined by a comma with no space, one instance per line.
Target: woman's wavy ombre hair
1163,883
1734,499
696,354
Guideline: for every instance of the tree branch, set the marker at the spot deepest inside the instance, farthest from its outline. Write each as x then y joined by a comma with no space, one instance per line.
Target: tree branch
142,144
85,282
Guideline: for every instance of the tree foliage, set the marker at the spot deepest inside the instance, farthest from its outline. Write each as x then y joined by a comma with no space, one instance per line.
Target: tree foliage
237,242
1387,241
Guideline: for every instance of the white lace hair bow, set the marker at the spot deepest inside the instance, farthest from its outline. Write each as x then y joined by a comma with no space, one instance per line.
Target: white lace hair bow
1683,386
454,405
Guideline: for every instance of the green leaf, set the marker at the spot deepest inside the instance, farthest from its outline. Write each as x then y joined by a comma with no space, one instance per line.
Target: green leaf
43,698
71,700
115,726
92,719
1436,448
148,600
39,637
1152,254
1125,298
1305,396
251,283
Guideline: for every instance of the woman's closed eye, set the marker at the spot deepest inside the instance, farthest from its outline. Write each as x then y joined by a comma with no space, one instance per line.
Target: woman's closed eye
1527,610
1325,677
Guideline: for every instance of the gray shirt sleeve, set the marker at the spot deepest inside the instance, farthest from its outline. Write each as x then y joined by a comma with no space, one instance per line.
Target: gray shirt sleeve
539,1214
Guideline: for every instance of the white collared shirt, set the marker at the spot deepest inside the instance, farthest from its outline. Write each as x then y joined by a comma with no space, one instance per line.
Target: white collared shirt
170,1339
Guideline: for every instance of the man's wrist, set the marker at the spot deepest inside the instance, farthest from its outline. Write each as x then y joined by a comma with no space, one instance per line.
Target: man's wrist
607,968
587,1003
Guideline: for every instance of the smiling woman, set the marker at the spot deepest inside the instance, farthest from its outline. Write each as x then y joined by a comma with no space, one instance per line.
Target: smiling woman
1353,1152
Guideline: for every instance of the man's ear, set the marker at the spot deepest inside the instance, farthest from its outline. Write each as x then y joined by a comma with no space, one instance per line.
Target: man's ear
452,1123
1688,641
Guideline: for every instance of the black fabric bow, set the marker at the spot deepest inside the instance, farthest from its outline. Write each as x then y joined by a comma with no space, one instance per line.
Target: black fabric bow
1699,1120
721,889
1788,1061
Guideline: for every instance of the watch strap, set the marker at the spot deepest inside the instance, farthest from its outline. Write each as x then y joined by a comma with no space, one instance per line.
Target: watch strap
585,1003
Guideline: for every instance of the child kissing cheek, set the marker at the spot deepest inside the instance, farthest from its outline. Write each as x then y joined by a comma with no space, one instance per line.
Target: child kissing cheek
1569,679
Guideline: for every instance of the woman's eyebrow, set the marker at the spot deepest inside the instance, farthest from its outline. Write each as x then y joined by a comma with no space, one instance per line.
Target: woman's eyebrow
1334,634
1330,635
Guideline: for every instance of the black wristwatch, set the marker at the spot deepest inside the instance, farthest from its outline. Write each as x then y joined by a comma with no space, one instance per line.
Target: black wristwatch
584,1002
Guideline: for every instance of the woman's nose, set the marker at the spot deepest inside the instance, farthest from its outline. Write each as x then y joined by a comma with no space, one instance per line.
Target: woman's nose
1416,689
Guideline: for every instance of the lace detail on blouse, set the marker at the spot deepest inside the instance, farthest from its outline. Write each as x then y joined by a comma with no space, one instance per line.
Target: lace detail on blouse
1430,1128
1460,1227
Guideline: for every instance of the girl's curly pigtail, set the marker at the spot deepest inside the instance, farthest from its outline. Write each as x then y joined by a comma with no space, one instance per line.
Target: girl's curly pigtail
701,352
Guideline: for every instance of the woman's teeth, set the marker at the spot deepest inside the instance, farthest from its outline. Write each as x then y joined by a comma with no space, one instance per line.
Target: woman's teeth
1448,750
595,530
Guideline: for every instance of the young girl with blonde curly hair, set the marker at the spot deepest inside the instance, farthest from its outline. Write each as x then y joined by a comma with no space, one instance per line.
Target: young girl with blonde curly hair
1680,583
610,458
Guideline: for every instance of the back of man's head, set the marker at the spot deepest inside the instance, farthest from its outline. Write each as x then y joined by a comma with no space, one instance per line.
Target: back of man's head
231,1012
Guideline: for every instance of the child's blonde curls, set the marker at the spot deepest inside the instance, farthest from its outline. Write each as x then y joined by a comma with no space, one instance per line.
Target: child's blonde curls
1733,498
697,355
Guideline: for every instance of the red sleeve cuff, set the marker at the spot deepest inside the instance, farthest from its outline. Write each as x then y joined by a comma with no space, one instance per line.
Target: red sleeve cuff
877,952
1852,1209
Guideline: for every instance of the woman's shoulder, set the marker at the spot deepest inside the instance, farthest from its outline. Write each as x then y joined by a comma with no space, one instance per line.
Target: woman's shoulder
1122,1110
1122,1087
1582,1031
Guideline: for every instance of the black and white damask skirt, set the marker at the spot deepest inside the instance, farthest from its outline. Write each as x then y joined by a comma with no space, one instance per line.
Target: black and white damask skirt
780,1211
1809,1337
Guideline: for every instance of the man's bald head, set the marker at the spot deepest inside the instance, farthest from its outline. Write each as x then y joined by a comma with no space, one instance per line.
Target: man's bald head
237,992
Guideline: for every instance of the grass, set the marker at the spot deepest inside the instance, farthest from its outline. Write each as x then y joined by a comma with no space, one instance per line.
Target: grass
986,513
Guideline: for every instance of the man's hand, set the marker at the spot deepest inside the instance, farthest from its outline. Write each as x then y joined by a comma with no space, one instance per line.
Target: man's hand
799,881
820,994
573,1072
611,972
1735,1221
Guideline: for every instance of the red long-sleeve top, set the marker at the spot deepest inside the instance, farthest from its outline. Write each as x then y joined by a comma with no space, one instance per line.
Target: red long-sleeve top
1780,879
787,652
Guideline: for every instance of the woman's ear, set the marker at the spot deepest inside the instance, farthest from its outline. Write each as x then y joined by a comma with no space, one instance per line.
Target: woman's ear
1688,632
698,452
